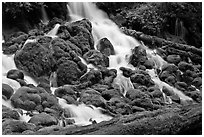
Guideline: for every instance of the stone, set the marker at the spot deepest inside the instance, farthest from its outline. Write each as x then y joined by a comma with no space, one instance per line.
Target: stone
35,58
16,126
183,66
108,94
135,93
68,73
26,98
9,113
96,58
43,119
7,90
105,47
197,82
175,59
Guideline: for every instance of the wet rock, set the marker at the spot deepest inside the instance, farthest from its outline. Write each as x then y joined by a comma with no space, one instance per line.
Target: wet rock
157,93
149,64
175,59
167,91
181,86
126,71
94,76
70,99
26,98
135,93
197,82
15,74
96,58
43,119
105,47
175,98
137,109
108,94
68,73
183,66
171,80
35,59
65,90
80,34
171,68
92,97
138,57
99,87
144,103
9,113
16,126
195,95
142,78
7,90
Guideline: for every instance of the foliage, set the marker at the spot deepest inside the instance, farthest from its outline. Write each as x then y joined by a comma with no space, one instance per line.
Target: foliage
16,8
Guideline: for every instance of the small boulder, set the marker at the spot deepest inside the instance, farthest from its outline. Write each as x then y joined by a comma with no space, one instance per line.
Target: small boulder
43,119
7,90
175,59
105,47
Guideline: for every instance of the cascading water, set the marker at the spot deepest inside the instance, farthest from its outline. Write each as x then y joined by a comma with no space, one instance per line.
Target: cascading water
123,44
104,27
45,19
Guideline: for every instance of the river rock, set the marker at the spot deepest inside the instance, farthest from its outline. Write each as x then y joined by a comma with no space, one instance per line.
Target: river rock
175,59
7,90
68,73
65,90
105,47
108,94
94,76
35,59
80,34
92,97
43,119
26,98
135,93
15,74
197,82
142,78
96,58
16,126
183,66
9,113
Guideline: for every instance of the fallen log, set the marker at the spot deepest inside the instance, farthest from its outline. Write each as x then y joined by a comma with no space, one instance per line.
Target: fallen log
171,120
156,42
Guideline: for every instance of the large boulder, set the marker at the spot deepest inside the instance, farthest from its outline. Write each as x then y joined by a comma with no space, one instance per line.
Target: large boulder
136,93
26,98
35,58
68,73
105,47
96,58
43,119
79,33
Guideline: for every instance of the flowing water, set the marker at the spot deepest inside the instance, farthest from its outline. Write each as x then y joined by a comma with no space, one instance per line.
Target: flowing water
123,45
45,19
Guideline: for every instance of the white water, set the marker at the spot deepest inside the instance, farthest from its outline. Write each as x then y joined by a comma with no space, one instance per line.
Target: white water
45,19
102,27
83,114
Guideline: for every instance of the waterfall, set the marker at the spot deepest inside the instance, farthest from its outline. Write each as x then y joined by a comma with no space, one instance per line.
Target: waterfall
123,45
104,27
